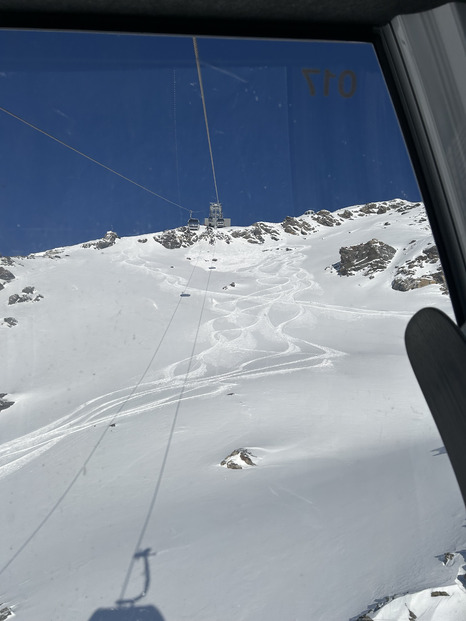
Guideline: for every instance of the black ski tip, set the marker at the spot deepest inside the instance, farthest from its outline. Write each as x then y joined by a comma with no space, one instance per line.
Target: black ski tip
436,348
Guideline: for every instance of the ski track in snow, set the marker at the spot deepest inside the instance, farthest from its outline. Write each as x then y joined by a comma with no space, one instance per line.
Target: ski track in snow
267,314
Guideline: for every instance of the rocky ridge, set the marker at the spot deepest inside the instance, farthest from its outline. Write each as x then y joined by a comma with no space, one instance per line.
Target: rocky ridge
107,240
367,258
310,222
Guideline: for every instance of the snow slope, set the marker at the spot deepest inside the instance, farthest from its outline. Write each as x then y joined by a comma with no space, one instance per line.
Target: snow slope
141,368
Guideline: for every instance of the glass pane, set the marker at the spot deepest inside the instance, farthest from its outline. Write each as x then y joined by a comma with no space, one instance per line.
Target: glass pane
209,252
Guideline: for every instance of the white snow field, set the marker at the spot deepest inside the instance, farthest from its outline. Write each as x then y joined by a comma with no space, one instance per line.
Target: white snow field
142,368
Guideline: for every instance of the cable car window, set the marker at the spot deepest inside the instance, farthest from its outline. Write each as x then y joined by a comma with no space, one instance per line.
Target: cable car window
209,252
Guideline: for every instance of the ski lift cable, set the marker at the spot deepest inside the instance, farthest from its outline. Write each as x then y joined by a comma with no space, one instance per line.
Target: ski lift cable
201,87
167,447
175,138
82,469
91,159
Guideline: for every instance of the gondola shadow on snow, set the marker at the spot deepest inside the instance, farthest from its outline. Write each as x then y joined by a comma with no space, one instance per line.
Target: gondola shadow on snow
127,609
127,613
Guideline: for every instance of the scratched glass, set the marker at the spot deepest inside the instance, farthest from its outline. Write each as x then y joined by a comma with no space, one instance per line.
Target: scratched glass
209,251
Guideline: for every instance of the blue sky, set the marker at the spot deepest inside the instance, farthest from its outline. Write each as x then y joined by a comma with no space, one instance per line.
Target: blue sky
294,126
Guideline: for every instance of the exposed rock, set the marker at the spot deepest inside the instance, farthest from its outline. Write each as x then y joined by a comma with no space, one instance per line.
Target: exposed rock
297,226
4,403
402,206
448,558
10,321
27,296
406,283
54,253
108,240
170,240
412,274
326,218
182,237
6,274
439,594
1,286
259,232
347,214
142,241
372,256
5,612
371,208
238,459
16,298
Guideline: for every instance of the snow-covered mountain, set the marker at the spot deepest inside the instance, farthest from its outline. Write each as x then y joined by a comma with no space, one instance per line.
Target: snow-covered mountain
223,424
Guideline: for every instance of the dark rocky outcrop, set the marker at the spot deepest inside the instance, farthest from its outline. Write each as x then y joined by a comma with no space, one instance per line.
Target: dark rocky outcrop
10,321
182,237
406,277
169,239
326,218
108,240
4,403
448,558
374,208
28,295
347,215
16,298
407,283
372,256
5,612
6,274
257,233
297,226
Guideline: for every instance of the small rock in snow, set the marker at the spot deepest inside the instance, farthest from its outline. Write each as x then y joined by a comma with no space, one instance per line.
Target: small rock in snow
238,459
5,613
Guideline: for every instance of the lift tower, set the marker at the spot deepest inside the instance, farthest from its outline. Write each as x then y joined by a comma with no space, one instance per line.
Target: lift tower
216,218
